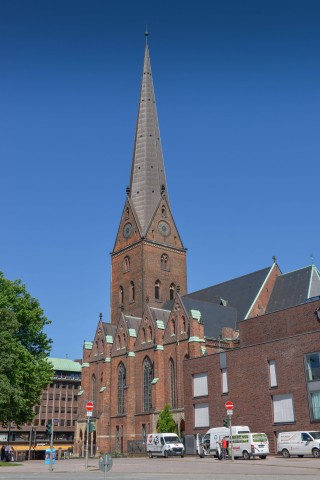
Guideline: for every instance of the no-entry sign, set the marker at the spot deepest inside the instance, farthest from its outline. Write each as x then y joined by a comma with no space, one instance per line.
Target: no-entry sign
89,406
229,405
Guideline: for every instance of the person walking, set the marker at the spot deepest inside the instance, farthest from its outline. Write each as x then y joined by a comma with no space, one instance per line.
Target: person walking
224,446
2,453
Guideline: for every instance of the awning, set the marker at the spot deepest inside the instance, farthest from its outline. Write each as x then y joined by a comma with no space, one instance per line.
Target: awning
20,448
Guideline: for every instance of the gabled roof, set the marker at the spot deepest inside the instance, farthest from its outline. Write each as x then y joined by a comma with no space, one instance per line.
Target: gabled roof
294,288
239,293
147,171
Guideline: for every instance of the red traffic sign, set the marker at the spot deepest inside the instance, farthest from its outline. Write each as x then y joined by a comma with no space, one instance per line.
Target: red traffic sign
229,405
89,406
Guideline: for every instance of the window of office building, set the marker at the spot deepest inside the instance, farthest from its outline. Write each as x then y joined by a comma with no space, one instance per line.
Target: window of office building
201,415
283,411
200,384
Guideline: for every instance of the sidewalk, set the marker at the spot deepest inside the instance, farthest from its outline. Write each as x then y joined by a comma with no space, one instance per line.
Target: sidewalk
61,466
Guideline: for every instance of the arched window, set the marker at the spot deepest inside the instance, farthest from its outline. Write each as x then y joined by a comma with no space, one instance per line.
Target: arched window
172,385
132,291
147,384
173,327
143,335
183,324
126,264
163,212
121,386
149,333
118,342
121,294
157,290
164,262
123,341
93,388
172,291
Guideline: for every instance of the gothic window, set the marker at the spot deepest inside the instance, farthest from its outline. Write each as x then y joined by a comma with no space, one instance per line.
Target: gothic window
164,262
126,264
93,388
172,291
132,291
163,212
121,294
121,387
123,341
147,384
127,213
118,342
173,327
143,335
149,333
172,385
157,290
183,324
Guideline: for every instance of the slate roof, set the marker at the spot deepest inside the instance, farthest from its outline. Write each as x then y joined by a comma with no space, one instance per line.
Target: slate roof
240,292
294,288
160,314
109,329
147,171
132,322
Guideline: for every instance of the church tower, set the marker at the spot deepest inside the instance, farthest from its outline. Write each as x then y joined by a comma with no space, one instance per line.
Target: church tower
148,258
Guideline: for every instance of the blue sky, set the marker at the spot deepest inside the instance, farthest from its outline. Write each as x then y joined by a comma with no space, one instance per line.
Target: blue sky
237,89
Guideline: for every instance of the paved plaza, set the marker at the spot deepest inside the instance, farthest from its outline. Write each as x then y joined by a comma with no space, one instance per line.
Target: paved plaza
188,468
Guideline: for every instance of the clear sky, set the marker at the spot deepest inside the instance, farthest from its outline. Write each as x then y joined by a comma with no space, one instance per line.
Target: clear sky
237,90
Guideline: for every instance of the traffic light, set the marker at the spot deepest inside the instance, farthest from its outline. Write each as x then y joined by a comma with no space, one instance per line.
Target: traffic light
226,422
48,429
92,427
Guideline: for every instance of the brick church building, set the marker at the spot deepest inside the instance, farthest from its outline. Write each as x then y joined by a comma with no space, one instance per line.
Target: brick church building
135,363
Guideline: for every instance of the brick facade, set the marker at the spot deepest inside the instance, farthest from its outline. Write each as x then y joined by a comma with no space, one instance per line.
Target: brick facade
285,337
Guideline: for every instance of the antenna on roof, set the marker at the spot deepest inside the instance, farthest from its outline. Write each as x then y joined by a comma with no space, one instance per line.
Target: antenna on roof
274,258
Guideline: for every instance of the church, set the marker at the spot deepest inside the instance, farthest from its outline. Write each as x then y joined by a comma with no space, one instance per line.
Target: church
135,363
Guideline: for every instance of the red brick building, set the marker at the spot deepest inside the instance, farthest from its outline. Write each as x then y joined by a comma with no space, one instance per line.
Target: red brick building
136,361
272,378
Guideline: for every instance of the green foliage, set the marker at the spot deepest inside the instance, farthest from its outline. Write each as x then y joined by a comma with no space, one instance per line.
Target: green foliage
166,423
24,348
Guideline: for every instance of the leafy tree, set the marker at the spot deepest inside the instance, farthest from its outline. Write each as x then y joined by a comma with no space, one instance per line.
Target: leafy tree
24,349
166,423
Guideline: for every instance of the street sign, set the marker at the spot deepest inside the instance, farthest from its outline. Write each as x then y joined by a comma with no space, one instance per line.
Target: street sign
229,412
229,405
89,413
89,406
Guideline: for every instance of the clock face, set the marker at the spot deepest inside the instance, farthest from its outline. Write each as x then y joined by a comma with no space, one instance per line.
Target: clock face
164,228
127,230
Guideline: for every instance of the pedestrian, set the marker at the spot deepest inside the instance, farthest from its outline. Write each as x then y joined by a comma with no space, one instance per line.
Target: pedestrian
224,445
7,453
2,453
12,454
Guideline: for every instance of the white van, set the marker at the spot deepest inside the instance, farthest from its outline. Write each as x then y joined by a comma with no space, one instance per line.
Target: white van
299,443
244,443
209,440
164,445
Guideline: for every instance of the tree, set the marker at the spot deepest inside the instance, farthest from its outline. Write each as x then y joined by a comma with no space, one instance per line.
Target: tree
166,423
24,349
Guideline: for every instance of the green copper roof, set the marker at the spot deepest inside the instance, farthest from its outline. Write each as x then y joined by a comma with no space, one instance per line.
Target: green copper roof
64,364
